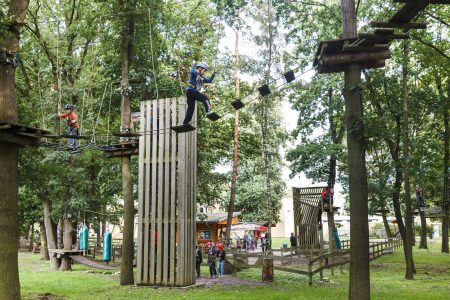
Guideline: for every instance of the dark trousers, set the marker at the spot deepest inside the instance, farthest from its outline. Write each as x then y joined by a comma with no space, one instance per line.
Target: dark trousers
197,268
193,96
73,143
212,269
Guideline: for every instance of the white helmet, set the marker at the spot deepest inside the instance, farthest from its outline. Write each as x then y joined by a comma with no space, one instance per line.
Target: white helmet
202,65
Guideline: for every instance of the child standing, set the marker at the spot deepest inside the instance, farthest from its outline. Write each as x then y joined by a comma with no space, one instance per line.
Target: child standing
212,261
221,255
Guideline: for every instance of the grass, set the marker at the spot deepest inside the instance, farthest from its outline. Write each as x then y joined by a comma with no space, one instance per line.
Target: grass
432,281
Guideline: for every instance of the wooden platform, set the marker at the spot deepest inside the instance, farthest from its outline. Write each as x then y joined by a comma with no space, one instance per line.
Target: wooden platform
370,50
20,134
97,264
127,148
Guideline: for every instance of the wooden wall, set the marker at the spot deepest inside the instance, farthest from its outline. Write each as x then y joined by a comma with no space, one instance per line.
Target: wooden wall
167,196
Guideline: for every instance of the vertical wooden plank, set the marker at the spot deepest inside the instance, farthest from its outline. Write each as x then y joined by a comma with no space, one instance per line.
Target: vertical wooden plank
153,190
181,198
160,197
148,175
141,181
166,222
188,208
173,182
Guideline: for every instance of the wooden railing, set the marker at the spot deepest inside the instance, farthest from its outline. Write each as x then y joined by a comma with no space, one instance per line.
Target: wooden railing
308,262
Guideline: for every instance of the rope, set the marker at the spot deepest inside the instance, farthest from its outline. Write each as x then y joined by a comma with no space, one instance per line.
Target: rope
109,113
98,115
82,112
151,50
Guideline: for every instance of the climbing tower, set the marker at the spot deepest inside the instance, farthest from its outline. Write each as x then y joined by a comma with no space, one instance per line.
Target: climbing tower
167,196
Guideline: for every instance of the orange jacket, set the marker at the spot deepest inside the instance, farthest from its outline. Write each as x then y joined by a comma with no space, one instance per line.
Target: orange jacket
71,117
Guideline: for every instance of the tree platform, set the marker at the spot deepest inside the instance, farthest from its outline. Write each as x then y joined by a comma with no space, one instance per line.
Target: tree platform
20,134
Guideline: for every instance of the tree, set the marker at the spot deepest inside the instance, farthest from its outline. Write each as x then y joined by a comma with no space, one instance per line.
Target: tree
358,191
10,27
126,267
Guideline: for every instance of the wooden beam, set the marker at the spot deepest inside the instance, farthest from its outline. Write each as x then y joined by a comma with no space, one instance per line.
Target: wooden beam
395,36
375,47
409,11
381,24
357,57
12,138
429,1
120,153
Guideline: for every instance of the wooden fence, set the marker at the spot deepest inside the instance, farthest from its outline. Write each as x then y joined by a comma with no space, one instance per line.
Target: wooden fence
308,263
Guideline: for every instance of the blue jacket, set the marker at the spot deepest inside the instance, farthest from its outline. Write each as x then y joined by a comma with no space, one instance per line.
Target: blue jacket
196,80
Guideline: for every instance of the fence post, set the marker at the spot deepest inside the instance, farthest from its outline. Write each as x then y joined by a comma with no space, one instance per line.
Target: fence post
310,273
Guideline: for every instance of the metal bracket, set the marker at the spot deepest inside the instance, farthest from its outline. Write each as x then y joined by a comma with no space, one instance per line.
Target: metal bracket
8,57
126,90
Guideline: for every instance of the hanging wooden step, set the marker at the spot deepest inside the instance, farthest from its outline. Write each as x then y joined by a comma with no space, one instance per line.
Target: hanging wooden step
183,128
237,104
212,116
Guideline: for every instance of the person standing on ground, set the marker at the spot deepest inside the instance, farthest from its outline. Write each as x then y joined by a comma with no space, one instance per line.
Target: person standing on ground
221,255
212,261
198,260
293,240
194,89
72,124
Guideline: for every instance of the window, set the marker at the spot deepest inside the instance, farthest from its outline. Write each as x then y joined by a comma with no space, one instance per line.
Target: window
204,235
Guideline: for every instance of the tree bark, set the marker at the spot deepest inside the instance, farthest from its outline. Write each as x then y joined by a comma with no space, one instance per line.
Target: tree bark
44,248
66,264
445,192
9,223
359,284
386,226
50,232
236,131
31,237
126,268
423,231
408,204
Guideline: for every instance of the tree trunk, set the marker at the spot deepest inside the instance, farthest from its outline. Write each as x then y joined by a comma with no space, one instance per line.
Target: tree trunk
267,270
66,264
445,192
31,237
126,267
44,248
359,284
236,132
60,234
50,232
386,226
408,204
423,231
9,229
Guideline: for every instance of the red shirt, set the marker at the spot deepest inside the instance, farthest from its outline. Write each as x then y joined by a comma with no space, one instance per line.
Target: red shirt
71,117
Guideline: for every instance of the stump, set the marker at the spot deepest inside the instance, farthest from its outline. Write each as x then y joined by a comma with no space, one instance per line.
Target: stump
267,270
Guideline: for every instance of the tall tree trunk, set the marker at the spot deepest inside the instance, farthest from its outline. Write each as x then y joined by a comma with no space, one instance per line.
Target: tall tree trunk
359,285
31,237
60,234
50,232
9,230
408,204
386,226
68,243
423,231
43,237
236,129
267,270
445,192
126,268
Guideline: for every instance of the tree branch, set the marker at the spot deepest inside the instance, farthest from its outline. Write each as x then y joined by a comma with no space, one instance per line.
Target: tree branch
431,46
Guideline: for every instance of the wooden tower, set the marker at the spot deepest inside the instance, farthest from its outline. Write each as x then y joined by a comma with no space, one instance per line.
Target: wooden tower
167,196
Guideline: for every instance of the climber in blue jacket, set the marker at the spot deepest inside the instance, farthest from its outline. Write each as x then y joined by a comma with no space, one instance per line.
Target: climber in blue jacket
194,87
